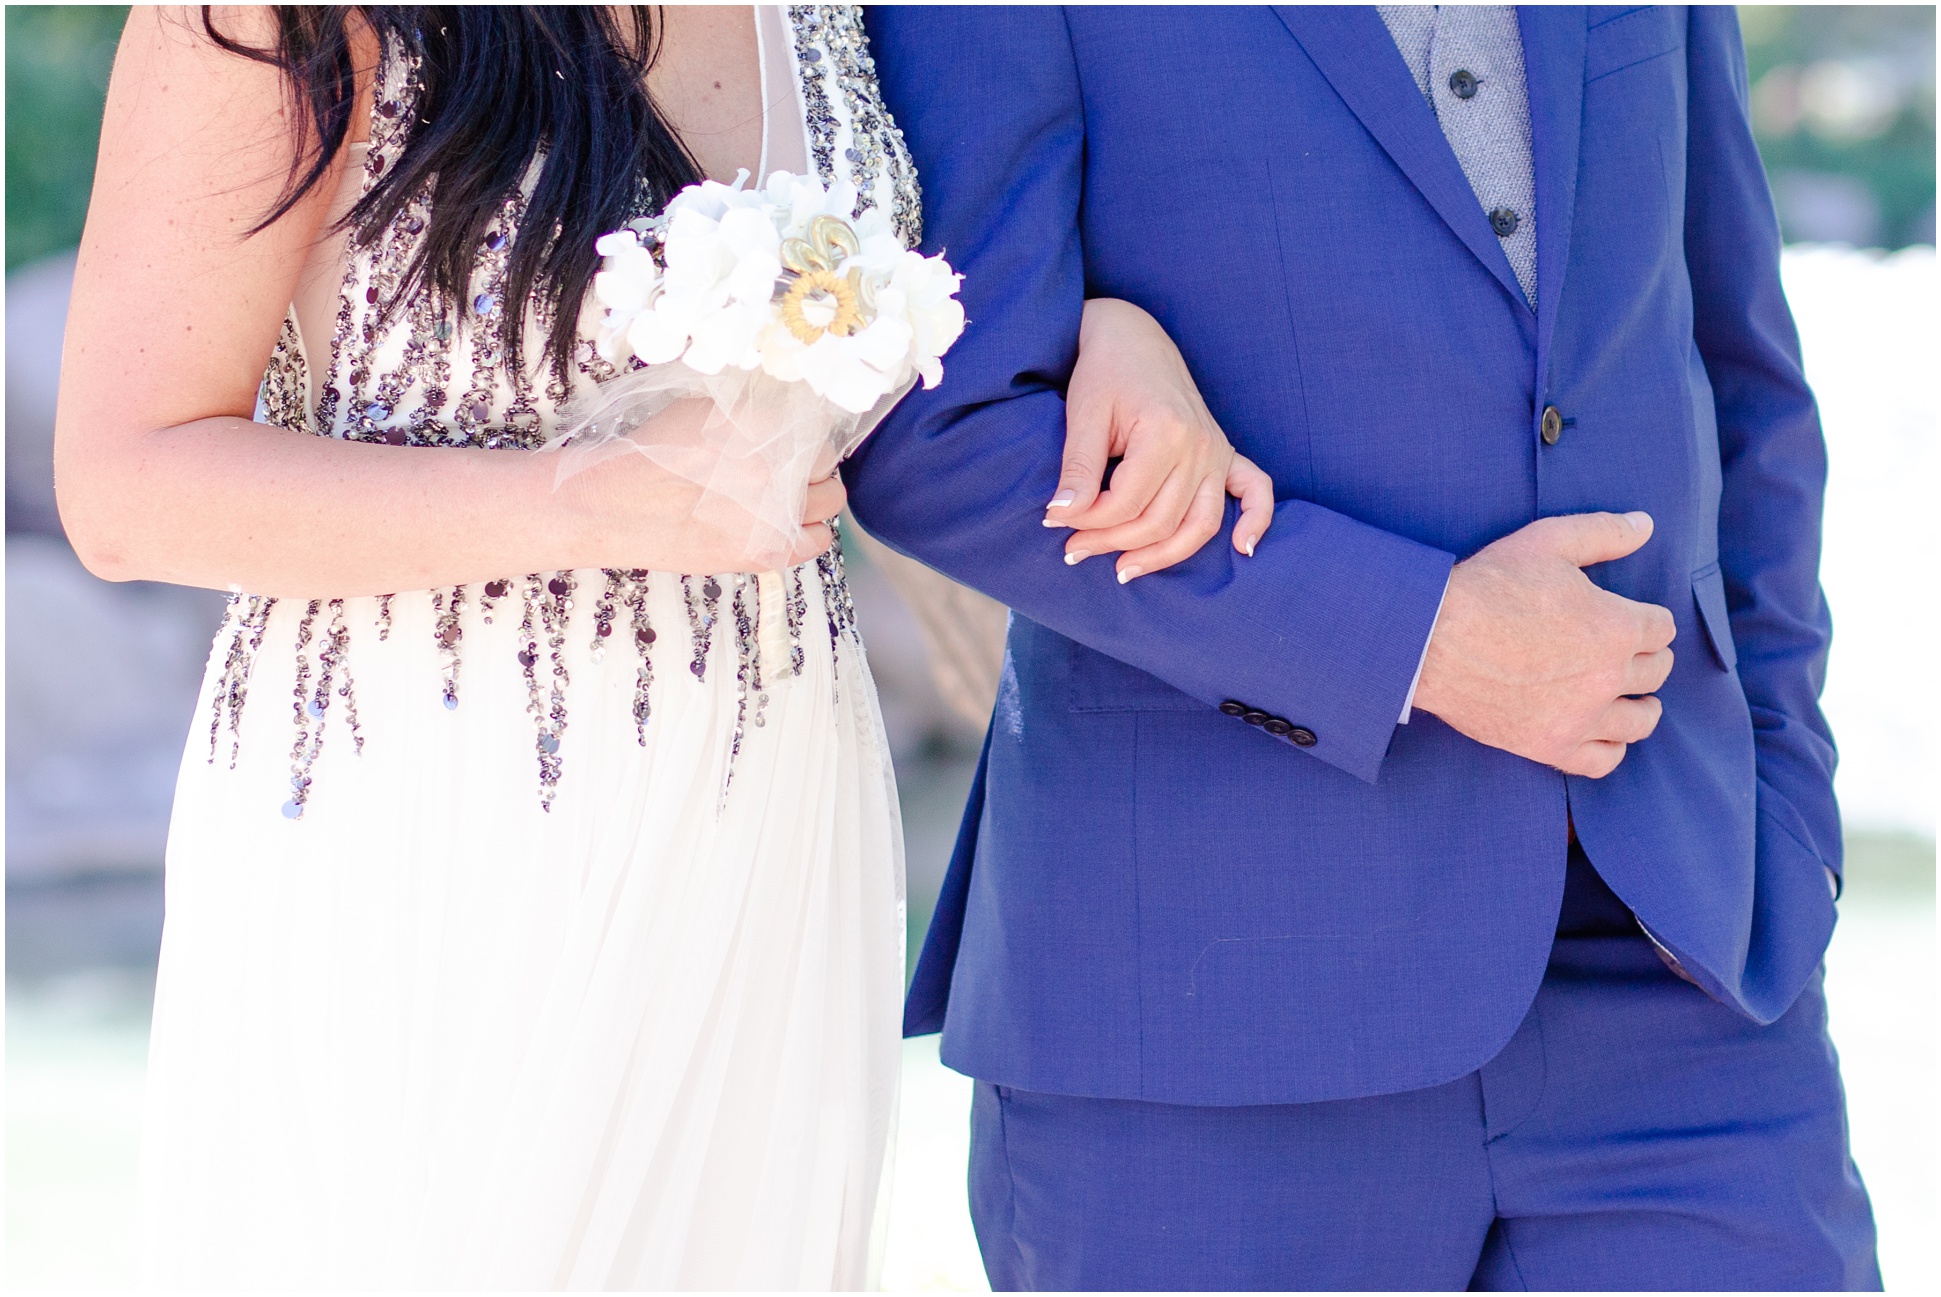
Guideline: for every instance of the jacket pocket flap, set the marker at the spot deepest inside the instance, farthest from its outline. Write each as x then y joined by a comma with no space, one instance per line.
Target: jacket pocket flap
1630,38
1708,588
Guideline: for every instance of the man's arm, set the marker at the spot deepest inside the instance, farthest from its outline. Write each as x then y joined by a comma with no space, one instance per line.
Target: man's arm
1773,457
1324,626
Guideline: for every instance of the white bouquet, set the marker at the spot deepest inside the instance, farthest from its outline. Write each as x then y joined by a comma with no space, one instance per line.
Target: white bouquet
797,324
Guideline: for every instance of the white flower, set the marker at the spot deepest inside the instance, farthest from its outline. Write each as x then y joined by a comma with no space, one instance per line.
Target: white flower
728,336
853,372
698,259
715,305
750,236
626,286
929,287
659,335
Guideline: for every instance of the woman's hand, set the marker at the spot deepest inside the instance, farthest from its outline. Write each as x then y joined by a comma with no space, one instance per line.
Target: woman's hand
1131,398
630,511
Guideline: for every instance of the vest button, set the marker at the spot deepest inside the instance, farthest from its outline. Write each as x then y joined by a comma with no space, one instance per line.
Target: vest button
1552,426
1462,82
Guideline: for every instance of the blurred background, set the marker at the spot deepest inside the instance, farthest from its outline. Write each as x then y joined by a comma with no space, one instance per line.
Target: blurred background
101,678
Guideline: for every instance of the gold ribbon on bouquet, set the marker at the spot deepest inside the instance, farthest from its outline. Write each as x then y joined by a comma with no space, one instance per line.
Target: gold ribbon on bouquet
818,299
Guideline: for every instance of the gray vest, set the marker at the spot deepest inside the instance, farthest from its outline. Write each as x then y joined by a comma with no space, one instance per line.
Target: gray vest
1468,62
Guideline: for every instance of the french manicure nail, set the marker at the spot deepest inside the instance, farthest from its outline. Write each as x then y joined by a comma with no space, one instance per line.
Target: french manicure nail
1076,557
1062,499
1126,574
1250,547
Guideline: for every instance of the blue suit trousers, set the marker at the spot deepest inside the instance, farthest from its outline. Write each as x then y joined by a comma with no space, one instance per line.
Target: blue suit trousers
1634,1134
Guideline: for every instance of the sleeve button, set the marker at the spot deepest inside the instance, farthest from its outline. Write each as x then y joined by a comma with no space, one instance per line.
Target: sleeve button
1255,717
1279,728
1302,736
1232,708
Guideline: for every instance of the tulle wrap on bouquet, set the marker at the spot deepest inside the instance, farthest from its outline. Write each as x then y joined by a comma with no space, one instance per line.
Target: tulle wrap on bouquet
788,323
751,442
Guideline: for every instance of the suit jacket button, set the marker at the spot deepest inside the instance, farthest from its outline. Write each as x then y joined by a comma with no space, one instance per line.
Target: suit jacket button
1255,717
1277,727
1302,736
1552,426
1232,708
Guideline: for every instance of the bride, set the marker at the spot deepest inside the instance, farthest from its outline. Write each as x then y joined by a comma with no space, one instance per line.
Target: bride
534,910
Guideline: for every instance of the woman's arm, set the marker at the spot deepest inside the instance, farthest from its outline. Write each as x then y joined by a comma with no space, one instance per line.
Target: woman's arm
1132,398
160,472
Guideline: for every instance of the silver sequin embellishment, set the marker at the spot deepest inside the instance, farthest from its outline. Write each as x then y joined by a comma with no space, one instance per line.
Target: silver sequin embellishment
415,371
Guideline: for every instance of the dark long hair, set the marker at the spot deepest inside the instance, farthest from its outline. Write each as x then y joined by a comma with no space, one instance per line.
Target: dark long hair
499,86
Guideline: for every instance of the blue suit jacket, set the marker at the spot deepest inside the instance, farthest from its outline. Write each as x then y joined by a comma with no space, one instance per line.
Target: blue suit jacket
1154,900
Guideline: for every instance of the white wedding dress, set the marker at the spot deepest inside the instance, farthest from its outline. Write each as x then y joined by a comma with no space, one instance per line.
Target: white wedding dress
543,933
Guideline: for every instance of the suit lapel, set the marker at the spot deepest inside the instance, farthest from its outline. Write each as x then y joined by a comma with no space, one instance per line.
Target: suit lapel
1353,50
1553,56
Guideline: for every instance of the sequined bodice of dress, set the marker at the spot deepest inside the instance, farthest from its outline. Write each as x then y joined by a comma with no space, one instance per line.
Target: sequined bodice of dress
371,367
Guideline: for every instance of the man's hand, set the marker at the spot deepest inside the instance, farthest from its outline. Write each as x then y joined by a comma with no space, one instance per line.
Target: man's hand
1530,657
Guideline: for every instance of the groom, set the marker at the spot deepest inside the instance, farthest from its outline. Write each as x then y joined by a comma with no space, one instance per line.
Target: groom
1262,988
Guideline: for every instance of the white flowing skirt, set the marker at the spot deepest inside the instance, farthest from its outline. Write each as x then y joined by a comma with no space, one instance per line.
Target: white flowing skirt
431,1035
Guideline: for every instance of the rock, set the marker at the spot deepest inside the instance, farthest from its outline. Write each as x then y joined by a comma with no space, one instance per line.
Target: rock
101,686
918,717
963,631
36,317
